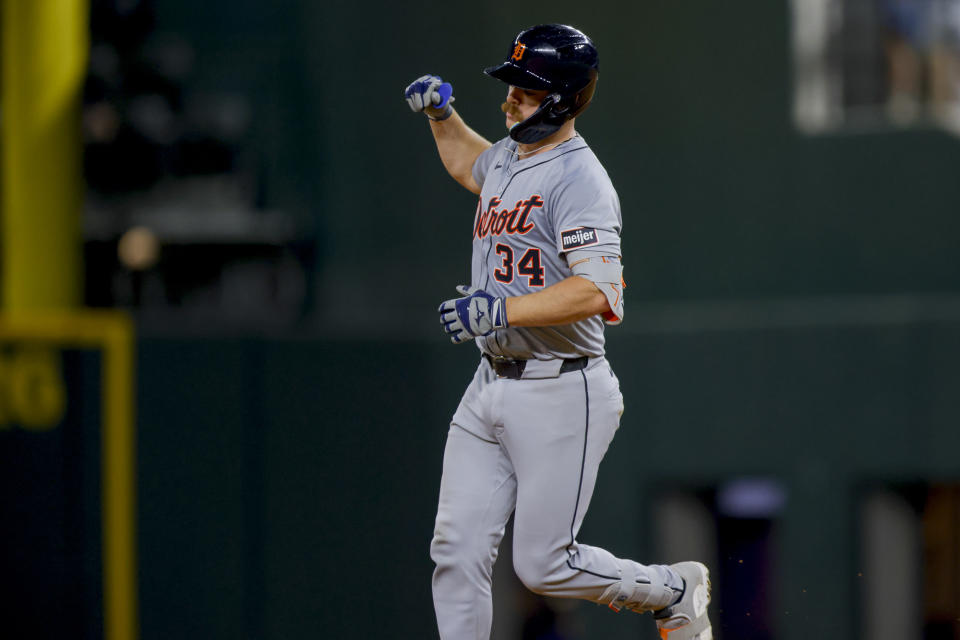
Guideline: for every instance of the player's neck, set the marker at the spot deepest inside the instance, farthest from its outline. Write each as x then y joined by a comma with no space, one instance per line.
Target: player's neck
561,135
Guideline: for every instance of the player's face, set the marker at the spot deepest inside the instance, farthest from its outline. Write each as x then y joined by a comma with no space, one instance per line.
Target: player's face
521,103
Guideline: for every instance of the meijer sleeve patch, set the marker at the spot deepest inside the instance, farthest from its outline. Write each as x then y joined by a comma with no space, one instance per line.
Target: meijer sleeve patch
577,238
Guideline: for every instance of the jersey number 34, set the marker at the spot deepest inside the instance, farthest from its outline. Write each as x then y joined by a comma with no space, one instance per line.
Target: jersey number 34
528,266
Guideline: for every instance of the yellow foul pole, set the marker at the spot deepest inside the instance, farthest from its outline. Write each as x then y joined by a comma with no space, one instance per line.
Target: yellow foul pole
45,45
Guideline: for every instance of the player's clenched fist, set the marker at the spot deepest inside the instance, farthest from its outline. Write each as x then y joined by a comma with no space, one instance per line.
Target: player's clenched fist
476,314
431,95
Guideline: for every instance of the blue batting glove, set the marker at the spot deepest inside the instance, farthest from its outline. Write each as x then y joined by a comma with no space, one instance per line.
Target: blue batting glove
431,95
476,314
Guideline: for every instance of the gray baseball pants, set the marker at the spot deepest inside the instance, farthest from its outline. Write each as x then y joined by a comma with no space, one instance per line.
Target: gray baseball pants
533,447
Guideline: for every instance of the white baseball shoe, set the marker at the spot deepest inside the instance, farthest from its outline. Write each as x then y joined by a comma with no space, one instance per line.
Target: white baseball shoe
687,619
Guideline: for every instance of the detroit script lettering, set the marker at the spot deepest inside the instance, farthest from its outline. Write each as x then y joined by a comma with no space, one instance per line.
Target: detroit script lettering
505,221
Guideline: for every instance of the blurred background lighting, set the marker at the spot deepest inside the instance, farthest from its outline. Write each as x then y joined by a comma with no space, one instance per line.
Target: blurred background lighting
751,498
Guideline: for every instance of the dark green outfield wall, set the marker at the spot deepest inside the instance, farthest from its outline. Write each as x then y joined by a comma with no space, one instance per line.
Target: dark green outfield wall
287,488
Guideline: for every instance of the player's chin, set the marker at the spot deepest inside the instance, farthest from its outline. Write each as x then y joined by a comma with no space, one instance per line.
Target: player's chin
510,122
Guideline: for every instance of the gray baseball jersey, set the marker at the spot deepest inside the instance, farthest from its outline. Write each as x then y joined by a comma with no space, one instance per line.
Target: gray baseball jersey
536,216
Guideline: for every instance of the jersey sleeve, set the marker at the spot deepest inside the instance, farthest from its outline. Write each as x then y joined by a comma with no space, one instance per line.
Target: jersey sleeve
586,215
481,166
587,223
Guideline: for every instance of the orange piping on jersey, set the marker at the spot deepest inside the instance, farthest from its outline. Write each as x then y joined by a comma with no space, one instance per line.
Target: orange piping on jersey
610,316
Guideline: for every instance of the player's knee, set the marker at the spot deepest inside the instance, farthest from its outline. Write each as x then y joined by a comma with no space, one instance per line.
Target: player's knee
455,553
446,545
539,570
531,578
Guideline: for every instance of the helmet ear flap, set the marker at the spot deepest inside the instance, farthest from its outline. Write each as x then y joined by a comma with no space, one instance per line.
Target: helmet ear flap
547,119
553,111
553,104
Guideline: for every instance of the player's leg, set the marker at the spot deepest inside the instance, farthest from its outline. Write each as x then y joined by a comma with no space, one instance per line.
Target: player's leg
556,435
477,496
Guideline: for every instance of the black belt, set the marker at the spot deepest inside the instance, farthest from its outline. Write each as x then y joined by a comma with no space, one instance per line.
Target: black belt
506,368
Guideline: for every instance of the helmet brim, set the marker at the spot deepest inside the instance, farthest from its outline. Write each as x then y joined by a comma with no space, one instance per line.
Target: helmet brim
518,77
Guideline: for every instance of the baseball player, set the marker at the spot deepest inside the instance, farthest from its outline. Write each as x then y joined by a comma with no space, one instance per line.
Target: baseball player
535,422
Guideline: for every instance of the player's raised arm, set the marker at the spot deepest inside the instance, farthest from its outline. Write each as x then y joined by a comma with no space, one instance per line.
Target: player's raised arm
458,144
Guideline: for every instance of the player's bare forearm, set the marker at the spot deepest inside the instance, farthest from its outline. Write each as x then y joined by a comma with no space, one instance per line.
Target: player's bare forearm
567,301
459,146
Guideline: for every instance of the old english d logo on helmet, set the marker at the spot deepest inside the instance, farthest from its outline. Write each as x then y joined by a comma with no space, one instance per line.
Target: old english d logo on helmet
518,51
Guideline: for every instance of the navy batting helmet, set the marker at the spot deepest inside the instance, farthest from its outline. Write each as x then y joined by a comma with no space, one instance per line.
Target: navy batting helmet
554,58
